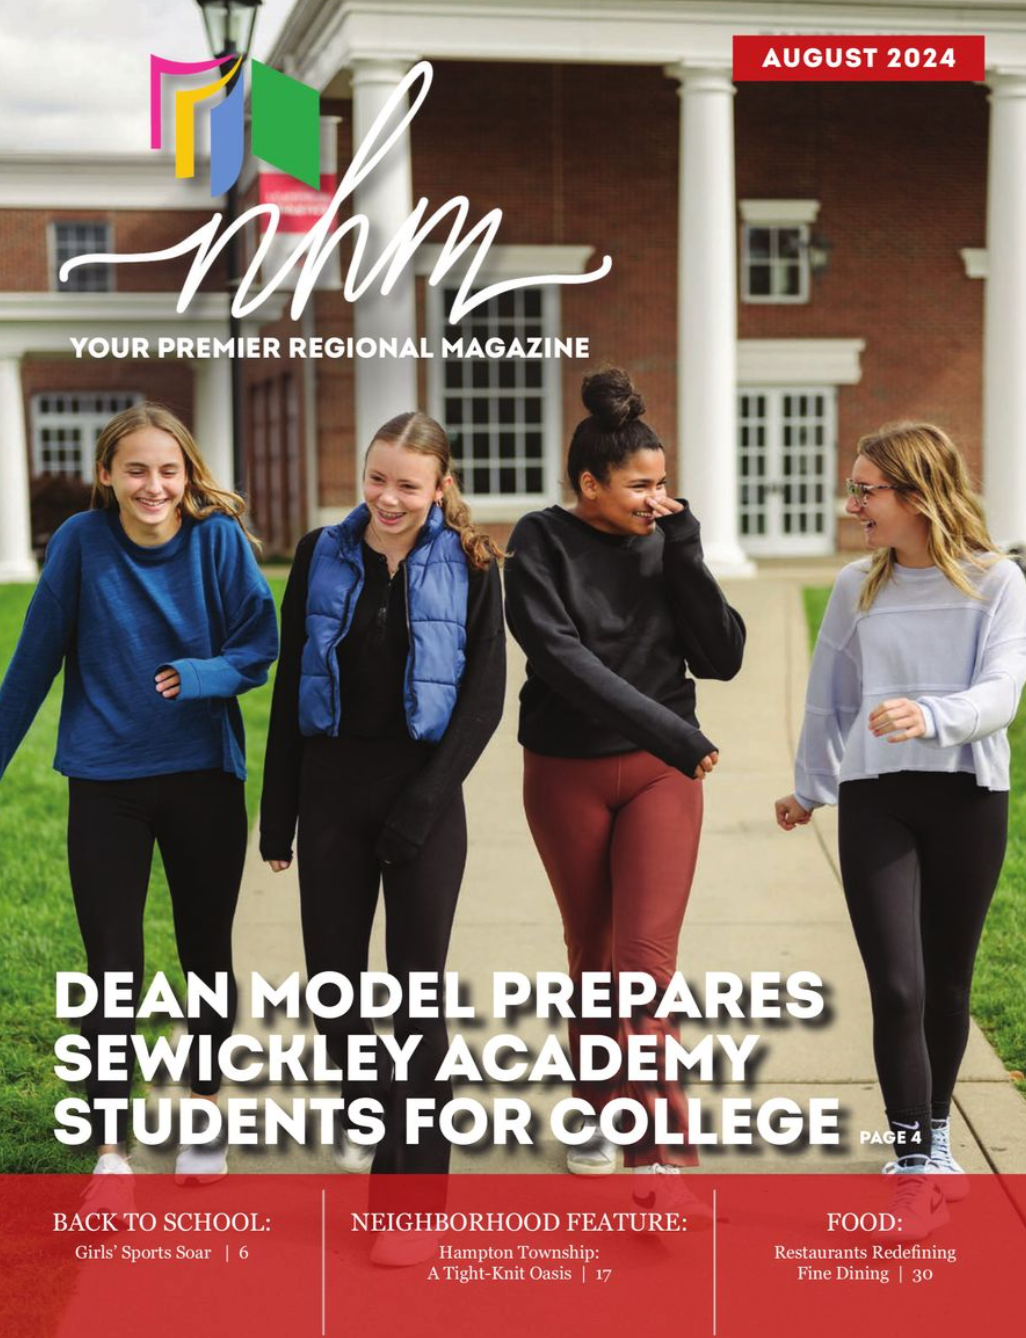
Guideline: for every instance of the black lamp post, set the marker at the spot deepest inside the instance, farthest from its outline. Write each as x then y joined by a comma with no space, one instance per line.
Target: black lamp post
230,25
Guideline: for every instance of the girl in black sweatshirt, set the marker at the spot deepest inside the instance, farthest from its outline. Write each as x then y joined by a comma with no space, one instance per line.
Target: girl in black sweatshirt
614,606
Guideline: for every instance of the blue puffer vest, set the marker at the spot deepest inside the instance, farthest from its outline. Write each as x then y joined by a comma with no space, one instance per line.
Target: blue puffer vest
436,611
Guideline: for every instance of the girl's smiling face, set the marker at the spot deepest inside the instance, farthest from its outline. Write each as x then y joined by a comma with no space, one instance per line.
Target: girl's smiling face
148,478
400,487
621,504
887,518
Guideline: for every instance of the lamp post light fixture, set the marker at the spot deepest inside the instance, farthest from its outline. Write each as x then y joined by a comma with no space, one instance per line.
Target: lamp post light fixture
818,250
230,25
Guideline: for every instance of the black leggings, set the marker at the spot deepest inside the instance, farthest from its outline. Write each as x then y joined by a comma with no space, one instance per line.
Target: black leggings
348,787
921,853
198,819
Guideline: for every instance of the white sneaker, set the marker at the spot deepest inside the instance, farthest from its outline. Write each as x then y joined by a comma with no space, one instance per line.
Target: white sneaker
595,1157
670,1193
954,1190
108,1191
201,1164
354,1158
918,1203
112,1163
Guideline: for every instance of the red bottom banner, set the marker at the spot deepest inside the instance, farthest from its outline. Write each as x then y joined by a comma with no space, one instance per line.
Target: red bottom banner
313,1256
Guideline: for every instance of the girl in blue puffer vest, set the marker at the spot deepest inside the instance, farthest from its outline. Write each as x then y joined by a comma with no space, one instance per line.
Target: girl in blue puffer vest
389,685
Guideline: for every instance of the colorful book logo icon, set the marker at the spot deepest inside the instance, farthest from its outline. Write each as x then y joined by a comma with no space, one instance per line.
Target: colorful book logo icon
285,121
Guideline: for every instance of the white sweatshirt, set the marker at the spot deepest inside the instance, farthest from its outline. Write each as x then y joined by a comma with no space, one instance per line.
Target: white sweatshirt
962,659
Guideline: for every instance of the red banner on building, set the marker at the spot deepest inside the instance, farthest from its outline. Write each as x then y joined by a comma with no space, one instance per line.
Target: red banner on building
787,59
300,205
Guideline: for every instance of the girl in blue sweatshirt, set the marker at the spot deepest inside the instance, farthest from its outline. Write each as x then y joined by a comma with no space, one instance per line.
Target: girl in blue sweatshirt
154,605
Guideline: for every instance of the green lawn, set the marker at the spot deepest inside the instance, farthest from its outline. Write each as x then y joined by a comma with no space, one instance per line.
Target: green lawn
999,1002
40,933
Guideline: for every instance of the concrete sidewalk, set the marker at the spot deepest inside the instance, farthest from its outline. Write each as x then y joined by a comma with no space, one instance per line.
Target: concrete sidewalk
763,901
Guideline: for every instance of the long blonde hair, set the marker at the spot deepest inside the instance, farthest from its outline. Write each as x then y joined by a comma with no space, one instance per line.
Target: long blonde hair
202,495
922,461
417,432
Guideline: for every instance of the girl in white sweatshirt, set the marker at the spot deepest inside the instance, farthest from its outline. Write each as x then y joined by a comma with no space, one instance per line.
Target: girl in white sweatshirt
916,677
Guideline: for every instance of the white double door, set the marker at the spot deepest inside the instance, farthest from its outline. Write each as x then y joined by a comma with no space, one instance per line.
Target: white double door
787,470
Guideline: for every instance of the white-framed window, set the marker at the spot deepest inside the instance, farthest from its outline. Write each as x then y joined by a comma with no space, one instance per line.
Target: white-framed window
503,415
775,262
70,238
66,424
787,468
775,246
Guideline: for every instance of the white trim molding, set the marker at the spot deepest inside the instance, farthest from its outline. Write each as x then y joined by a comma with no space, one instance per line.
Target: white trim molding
974,258
778,212
788,362
59,181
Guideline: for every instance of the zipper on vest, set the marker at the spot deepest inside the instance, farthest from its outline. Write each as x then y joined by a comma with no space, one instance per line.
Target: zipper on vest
410,653
332,667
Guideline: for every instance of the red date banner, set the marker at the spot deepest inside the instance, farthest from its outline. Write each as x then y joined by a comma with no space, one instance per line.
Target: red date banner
858,59
309,1256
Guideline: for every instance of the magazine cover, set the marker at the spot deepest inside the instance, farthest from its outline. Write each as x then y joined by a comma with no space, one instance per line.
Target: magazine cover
512,626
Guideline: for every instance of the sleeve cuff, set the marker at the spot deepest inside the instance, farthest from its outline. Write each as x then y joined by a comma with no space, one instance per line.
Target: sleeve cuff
808,804
698,747
273,847
929,720
681,527
192,687
394,848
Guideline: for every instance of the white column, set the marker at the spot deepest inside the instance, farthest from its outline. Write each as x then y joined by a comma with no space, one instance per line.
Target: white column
707,311
1004,326
384,386
17,562
212,414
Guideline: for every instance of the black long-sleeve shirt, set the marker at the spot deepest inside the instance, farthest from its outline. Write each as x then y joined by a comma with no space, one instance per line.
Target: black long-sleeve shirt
611,625
372,660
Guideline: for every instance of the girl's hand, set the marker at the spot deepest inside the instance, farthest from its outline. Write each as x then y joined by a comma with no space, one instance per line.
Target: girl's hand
790,814
900,718
169,683
707,763
279,865
665,506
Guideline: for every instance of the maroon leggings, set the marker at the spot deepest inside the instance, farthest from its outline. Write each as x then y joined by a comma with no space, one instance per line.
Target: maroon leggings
619,839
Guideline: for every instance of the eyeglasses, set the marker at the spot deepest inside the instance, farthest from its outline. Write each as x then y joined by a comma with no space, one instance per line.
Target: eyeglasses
863,492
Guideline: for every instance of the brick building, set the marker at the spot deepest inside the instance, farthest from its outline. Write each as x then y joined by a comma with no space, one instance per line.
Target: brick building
791,266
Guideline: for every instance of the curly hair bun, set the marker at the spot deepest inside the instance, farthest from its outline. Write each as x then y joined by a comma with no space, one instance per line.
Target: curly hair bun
610,396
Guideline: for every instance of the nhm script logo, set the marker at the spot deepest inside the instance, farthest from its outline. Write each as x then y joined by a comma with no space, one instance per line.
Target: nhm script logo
286,134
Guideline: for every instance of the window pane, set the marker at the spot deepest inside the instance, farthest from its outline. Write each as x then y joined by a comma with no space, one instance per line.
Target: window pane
789,243
758,243
759,280
790,280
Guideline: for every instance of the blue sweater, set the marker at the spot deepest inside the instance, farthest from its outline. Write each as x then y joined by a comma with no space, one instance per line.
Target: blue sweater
114,613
